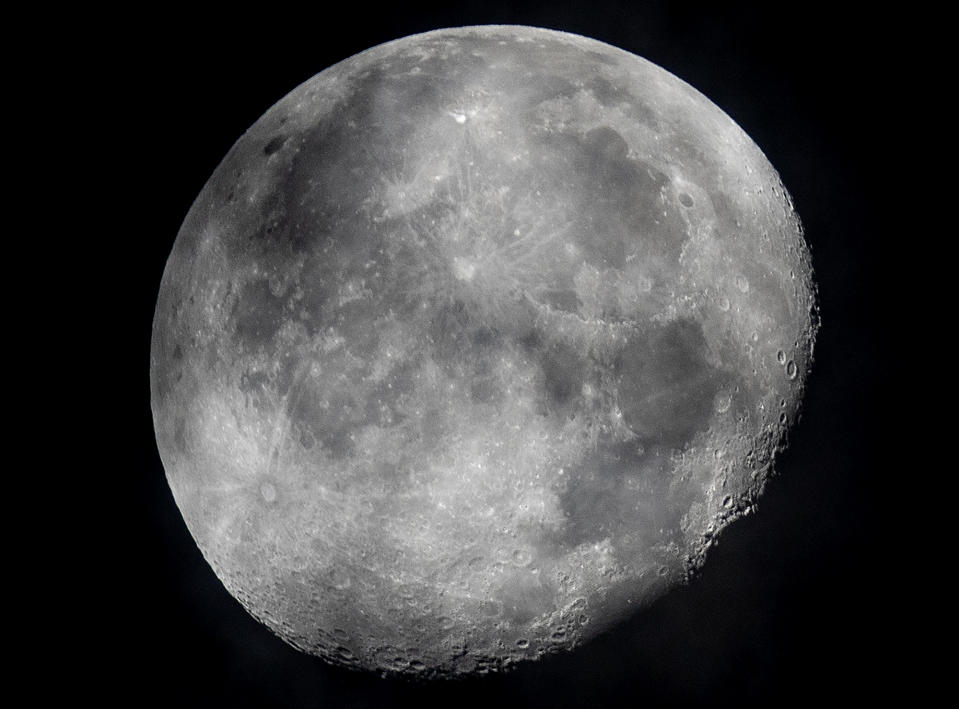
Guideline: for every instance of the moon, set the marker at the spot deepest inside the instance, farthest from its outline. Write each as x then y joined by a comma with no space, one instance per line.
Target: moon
473,344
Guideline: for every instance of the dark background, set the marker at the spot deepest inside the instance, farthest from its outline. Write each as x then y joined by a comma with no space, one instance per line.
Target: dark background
797,602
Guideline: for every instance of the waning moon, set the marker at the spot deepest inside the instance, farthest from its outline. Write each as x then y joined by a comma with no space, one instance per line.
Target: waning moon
472,344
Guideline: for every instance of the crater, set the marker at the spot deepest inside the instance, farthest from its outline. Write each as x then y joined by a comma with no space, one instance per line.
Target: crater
268,492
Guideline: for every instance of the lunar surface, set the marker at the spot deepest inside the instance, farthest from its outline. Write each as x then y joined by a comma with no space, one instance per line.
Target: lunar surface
472,344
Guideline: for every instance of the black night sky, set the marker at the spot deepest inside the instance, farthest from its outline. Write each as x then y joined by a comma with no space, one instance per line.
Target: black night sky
786,608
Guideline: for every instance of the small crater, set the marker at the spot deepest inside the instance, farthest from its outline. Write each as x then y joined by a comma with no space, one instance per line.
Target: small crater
268,492
781,357
276,286
522,643
722,402
345,654
685,200
339,579
307,439
521,557
463,269
791,370
446,623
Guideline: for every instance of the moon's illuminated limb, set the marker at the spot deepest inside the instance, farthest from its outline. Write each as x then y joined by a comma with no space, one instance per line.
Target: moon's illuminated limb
473,341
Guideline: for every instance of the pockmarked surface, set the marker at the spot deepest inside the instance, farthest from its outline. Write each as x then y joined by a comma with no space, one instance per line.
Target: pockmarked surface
472,344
